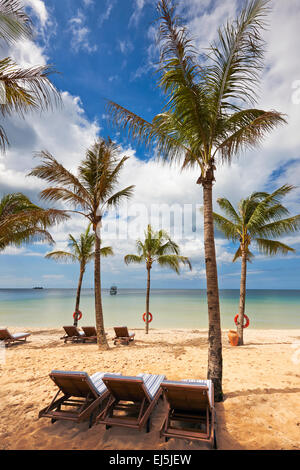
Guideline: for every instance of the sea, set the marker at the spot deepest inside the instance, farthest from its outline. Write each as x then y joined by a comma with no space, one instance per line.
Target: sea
266,309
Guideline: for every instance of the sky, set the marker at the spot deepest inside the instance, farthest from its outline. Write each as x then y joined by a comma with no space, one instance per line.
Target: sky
106,49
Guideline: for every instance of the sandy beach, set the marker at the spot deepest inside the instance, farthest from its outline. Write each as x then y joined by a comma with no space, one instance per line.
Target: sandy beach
261,386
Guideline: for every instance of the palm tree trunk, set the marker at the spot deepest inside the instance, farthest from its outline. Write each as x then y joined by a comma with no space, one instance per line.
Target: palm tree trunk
78,295
147,301
214,333
240,329
101,337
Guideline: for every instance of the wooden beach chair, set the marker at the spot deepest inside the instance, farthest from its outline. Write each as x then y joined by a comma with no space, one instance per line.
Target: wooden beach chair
123,335
190,411
9,339
83,396
73,335
90,333
132,400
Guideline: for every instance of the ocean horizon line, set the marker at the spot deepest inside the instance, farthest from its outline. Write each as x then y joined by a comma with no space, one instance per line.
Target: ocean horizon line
143,288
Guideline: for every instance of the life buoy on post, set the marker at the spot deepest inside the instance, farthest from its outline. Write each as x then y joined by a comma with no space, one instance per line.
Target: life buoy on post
246,318
78,314
150,315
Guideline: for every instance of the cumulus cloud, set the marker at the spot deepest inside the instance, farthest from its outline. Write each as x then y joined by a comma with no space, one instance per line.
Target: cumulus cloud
66,133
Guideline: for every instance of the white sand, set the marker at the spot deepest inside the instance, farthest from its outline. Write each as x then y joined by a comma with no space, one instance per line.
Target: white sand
261,384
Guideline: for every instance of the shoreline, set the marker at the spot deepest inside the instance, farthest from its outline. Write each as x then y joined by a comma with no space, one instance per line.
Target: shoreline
261,384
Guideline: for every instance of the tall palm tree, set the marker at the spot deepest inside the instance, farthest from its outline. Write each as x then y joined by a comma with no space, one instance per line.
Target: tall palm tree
21,88
21,221
81,251
157,247
91,193
258,220
205,117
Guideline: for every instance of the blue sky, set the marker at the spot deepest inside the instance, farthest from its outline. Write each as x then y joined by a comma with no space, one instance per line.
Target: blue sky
106,50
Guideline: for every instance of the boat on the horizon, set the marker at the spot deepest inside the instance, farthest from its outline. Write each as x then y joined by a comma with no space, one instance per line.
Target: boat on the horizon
37,288
113,290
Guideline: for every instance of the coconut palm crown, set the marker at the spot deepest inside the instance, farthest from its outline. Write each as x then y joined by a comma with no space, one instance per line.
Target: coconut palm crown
157,247
90,193
258,220
82,252
209,116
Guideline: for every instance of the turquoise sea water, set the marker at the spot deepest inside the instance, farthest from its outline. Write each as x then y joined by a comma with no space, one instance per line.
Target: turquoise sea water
269,309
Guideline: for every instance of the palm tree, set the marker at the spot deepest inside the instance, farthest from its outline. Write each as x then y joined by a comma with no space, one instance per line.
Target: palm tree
258,219
91,194
206,116
21,89
157,247
82,251
21,221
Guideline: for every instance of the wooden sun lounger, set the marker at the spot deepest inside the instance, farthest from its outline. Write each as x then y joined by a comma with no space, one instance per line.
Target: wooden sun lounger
123,335
190,411
9,339
82,397
132,400
90,333
73,335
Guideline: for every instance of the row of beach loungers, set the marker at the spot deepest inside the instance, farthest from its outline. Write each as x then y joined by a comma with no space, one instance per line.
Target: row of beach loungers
72,334
118,400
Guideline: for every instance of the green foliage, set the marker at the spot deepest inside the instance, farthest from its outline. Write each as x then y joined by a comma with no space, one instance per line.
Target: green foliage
81,250
205,113
92,192
258,219
25,88
21,221
158,247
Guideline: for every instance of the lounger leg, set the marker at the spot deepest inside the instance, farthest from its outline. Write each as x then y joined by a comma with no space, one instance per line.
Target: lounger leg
215,441
53,420
91,420
107,427
166,439
148,425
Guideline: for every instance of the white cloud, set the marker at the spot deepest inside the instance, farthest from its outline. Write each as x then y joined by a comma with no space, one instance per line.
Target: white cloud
66,133
39,8
138,8
107,12
80,34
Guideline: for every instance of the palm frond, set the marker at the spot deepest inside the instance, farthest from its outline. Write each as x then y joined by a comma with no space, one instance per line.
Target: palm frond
115,199
272,247
248,131
128,259
152,135
27,88
230,230
63,256
279,227
106,251
14,23
229,210
237,58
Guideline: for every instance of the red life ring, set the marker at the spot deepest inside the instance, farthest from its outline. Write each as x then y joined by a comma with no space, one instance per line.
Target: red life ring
150,315
79,315
247,320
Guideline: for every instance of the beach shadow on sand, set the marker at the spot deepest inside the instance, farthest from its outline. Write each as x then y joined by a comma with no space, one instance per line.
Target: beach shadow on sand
260,391
66,435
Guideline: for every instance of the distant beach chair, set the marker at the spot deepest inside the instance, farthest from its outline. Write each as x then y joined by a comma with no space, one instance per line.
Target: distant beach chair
73,334
83,396
132,400
9,339
90,332
123,335
190,405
